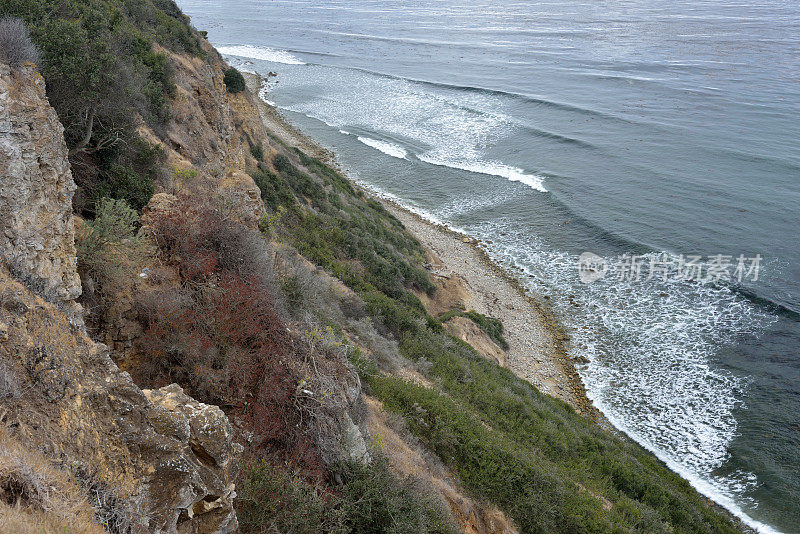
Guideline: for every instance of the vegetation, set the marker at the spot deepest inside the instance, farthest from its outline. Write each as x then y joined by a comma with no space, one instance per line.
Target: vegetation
234,80
550,469
103,71
340,229
108,247
37,497
221,336
16,47
369,500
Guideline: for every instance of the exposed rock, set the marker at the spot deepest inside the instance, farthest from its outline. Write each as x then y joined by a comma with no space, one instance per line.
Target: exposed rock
211,132
159,462
37,240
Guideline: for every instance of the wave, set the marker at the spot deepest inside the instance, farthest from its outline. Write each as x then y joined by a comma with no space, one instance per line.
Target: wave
530,99
493,168
557,137
387,148
262,53
413,40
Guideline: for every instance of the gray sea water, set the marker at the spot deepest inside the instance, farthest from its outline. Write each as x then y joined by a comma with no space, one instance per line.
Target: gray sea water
549,129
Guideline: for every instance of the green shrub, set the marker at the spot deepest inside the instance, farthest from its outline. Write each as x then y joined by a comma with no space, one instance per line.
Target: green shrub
275,191
371,499
107,247
375,501
352,236
257,151
276,499
125,183
292,292
548,468
234,81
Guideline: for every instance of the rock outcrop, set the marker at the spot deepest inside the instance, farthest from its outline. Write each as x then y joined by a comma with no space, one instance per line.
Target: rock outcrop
157,461
152,461
466,330
210,134
38,238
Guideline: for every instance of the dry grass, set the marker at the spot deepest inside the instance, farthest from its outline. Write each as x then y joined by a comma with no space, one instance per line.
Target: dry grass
38,498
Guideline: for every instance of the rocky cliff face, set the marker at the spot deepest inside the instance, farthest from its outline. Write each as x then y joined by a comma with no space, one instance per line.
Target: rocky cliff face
38,238
211,132
152,461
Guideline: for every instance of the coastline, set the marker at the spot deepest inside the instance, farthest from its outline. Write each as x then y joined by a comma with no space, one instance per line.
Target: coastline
468,258
537,342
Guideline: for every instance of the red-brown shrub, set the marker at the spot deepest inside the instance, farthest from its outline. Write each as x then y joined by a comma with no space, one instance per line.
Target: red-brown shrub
219,335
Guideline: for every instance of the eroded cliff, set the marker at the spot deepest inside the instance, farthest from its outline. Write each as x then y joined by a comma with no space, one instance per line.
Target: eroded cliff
146,461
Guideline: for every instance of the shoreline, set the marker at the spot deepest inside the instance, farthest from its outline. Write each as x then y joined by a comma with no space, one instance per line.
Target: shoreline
278,125
538,343
537,351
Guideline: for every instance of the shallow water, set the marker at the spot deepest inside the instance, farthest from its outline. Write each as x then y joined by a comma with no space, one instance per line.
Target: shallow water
550,129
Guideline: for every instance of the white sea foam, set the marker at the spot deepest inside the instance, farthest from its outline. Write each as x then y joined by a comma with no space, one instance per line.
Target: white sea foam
260,52
345,132
649,345
264,91
493,168
452,129
387,148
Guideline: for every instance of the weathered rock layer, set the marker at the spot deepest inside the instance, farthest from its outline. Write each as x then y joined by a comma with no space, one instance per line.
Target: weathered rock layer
152,461
38,237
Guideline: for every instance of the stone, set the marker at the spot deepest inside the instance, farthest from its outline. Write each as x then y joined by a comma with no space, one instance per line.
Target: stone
157,461
37,240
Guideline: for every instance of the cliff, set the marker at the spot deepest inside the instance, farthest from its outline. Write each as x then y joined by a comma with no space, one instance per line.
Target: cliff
146,461
38,238
265,346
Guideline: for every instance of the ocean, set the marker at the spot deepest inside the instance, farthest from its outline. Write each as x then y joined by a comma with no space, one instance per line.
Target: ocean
662,137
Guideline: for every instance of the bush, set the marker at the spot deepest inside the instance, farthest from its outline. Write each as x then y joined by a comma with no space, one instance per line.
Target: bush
234,81
374,501
257,151
125,183
276,499
114,226
371,499
16,47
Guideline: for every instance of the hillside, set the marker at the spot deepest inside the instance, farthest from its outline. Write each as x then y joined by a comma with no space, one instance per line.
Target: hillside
251,348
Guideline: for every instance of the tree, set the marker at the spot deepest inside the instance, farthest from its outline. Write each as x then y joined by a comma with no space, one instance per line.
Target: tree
234,81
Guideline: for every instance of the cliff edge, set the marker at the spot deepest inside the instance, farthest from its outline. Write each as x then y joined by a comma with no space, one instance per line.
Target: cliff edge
145,461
